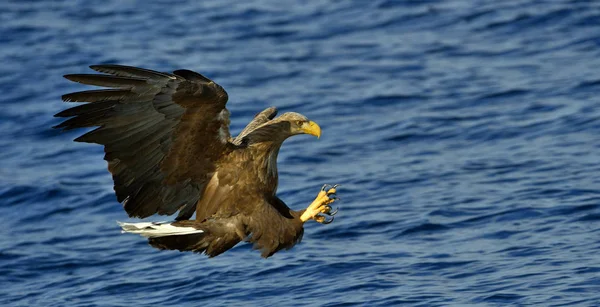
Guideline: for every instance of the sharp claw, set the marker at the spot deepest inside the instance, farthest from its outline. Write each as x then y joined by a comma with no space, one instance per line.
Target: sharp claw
325,221
331,194
334,198
334,212
327,187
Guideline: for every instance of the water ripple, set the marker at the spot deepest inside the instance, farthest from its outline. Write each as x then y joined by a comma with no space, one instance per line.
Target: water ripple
464,132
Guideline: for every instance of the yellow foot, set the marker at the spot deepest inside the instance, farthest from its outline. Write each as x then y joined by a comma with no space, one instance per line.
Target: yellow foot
321,205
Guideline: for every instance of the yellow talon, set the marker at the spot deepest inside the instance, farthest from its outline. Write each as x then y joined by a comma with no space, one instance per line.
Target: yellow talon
321,205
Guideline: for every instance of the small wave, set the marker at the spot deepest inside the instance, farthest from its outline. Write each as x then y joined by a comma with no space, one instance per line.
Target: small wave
426,228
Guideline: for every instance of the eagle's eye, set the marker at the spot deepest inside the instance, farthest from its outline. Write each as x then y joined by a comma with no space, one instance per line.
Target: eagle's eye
299,123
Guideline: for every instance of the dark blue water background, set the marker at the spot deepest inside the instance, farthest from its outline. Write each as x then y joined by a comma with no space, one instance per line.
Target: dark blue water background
466,135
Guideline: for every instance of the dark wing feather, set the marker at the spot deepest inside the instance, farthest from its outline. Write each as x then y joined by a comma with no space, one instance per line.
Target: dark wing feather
191,75
129,71
162,134
108,80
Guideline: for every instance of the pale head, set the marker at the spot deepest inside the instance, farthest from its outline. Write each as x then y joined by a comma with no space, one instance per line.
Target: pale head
280,128
300,124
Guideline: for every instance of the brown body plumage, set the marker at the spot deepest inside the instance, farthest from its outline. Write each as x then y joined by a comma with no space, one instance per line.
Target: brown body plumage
168,147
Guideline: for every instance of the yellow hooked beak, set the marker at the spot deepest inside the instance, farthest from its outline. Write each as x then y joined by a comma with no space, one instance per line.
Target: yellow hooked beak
311,128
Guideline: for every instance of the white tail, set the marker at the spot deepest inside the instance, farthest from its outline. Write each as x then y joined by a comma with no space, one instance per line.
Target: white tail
157,229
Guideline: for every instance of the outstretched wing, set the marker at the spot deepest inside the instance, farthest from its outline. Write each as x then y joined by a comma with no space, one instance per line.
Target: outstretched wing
162,134
259,119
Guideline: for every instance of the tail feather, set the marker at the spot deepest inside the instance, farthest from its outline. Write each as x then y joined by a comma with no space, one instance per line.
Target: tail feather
157,229
212,240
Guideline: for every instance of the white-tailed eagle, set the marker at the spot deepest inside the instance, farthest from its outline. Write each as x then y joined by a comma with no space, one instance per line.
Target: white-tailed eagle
167,143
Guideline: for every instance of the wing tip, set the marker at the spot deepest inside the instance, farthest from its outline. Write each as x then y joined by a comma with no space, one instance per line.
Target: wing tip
100,66
272,112
108,68
66,97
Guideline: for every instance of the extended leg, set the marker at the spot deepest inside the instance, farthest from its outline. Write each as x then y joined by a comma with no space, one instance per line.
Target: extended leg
321,205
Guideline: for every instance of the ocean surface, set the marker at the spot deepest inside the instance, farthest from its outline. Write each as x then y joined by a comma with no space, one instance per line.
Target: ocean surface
465,134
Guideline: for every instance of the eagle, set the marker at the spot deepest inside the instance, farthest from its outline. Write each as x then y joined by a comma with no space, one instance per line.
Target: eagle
167,143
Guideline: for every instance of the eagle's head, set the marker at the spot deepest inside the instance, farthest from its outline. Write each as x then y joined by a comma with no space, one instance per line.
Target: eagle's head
300,124
278,129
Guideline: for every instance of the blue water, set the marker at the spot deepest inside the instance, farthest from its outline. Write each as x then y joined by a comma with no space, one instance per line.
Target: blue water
466,135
